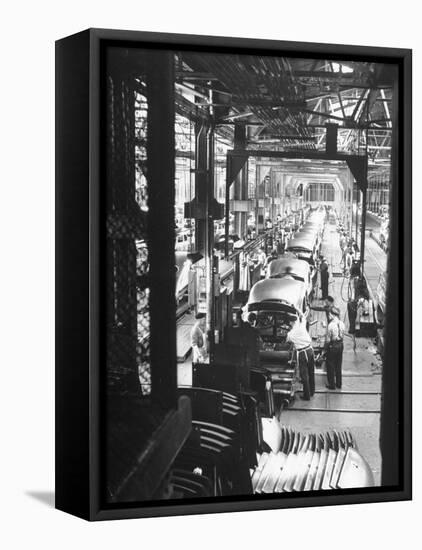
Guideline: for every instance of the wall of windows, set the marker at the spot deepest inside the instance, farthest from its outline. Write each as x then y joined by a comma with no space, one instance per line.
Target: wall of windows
379,192
320,192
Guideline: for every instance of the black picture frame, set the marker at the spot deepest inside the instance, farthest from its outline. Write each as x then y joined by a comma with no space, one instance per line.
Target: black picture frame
79,278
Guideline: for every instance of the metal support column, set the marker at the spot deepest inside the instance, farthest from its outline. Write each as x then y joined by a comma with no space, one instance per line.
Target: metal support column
396,336
362,232
241,183
161,195
357,214
260,201
209,248
201,181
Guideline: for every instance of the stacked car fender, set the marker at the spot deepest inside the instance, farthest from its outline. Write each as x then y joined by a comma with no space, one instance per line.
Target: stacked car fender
311,462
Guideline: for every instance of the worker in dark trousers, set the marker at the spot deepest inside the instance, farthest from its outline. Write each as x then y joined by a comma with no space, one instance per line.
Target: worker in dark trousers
352,311
334,349
323,271
304,353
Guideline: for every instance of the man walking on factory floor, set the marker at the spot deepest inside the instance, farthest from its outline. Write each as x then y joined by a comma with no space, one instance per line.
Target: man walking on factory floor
323,271
348,259
334,349
304,353
343,242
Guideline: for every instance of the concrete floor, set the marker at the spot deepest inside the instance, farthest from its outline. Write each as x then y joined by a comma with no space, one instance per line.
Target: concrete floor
184,373
361,373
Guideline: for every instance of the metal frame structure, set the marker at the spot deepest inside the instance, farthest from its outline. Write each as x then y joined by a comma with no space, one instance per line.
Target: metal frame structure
358,165
80,419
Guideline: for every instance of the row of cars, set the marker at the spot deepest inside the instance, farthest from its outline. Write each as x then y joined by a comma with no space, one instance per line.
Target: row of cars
287,290
276,302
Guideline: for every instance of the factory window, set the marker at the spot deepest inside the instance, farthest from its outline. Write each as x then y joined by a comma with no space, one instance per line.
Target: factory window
320,192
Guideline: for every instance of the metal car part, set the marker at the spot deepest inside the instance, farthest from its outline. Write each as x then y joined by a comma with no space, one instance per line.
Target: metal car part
257,472
356,472
273,473
310,478
332,455
305,464
337,468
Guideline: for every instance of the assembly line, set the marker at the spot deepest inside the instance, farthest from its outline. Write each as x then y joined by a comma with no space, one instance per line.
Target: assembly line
248,271
302,367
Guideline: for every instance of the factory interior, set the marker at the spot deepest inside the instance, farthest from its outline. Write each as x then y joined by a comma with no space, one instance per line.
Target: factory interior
247,196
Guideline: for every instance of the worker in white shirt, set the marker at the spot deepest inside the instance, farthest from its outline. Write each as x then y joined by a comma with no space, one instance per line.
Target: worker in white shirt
262,262
304,354
343,242
198,339
334,348
348,258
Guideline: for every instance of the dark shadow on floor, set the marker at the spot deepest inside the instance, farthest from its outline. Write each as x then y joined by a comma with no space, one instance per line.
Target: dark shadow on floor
45,497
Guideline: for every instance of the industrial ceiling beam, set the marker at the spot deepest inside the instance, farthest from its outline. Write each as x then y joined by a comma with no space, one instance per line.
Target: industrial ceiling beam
324,74
317,106
324,115
192,91
333,94
274,104
194,75
386,108
287,137
311,155
240,115
244,122
365,86
341,105
388,120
